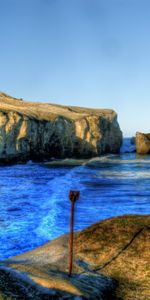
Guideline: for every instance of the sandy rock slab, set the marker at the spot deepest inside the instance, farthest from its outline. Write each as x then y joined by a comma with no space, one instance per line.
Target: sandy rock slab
111,261
43,274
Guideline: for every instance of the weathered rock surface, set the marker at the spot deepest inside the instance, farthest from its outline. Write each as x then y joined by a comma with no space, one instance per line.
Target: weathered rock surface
31,130
111,261
142,143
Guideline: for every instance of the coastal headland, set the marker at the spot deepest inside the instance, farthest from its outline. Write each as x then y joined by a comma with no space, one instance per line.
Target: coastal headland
41,131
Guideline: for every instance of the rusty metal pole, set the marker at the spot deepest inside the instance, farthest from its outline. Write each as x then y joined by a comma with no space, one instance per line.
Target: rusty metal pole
73,196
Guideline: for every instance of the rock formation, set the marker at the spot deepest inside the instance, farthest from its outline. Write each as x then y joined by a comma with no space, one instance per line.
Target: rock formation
142,143
40,131
111,258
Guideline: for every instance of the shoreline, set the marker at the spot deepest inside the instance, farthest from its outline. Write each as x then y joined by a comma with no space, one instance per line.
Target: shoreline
111,248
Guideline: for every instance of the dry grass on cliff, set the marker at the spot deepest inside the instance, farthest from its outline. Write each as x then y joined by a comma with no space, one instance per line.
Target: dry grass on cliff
47,111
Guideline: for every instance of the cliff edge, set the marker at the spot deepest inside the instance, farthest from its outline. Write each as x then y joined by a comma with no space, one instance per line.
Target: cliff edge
38,131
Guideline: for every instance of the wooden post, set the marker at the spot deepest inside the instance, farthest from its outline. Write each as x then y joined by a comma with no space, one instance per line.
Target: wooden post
73,196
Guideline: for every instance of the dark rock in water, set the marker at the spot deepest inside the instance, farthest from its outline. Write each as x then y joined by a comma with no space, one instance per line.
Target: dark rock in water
13,209
39,131
110,254
68,162
142,143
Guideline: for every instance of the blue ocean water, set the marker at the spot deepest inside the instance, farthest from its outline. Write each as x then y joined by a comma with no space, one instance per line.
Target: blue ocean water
34,197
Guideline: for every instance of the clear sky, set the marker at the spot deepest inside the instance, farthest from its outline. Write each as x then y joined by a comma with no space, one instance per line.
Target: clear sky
93,53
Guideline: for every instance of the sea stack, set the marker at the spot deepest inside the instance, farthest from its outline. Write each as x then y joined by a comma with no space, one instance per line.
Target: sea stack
142,143
39,131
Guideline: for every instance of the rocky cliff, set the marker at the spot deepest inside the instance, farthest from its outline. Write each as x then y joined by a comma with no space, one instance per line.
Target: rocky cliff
142,143
30,130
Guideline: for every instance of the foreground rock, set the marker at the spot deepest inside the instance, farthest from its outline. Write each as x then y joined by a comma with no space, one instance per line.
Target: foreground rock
142,143
111,261
36,131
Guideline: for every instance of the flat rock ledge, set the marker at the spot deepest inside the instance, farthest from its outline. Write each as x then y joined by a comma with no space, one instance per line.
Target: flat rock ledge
41,131
142,143
111,261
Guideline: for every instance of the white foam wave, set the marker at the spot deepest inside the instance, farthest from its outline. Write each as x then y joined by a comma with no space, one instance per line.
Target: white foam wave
108,159
125,174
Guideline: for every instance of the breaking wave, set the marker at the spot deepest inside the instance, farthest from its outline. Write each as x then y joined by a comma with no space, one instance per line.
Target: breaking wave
34,197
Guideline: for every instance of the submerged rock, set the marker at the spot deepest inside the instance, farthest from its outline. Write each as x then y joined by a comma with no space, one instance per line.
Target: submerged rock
142,143
38,131
111,258
67,162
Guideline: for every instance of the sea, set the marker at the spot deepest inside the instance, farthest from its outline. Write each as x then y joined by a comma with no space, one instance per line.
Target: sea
34,197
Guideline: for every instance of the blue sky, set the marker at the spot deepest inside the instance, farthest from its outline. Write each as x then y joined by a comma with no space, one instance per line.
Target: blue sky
93,53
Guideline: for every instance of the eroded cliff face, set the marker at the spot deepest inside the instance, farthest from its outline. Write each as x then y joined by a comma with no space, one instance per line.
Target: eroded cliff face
41,131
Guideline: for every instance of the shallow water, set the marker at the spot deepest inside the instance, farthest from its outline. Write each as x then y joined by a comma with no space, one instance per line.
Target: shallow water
34,197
